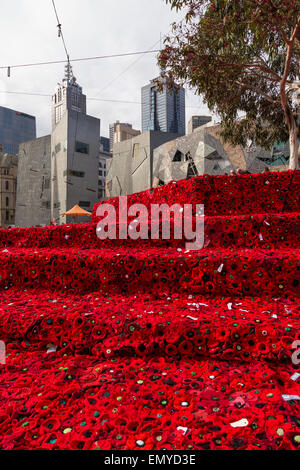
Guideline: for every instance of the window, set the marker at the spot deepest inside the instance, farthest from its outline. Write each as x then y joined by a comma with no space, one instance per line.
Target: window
100,173
6,171
178,157
7,201
6,185
46,204
81,147
58,113
47,183
84,203
7,216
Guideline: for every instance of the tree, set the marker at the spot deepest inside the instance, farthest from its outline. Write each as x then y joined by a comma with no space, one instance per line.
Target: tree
243,57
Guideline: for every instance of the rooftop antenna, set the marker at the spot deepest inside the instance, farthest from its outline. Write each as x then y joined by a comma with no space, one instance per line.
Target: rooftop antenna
68,66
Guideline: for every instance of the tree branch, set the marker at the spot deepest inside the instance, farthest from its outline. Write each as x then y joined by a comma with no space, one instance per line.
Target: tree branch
259,91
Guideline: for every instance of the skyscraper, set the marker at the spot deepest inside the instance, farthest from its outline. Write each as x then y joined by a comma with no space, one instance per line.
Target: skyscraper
57,171
68,96
163,110
74,150
15,127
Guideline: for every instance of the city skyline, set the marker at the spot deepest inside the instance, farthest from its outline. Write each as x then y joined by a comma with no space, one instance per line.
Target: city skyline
106,79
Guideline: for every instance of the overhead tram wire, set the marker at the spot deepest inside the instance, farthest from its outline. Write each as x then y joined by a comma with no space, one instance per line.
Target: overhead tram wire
45,95
127,68
108,56
51,62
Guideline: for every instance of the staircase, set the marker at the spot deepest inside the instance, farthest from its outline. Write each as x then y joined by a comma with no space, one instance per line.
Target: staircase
124,344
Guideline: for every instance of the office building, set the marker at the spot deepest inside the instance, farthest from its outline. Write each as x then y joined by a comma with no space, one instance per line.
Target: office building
197,121
15,127
163,110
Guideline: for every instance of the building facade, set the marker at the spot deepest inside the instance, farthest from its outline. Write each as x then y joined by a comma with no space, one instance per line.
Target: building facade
204,152
104,156
164,110
8,183
34,182
120,131
197,121
131,168
15,127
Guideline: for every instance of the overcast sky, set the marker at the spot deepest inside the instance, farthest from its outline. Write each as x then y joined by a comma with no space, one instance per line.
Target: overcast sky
91,28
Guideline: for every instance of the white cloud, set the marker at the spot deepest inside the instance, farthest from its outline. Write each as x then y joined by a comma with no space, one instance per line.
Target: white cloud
91,28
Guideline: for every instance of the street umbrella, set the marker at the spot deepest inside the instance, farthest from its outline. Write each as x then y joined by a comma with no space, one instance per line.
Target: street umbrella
76,210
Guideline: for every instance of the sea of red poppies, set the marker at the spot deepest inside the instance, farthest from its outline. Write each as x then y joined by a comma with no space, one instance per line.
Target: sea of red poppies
143,344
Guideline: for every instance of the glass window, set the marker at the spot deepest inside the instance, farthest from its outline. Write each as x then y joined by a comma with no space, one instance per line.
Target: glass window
6,185
7,216
7,201
81,147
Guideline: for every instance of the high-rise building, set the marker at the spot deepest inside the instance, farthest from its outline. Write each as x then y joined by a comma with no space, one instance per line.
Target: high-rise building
74,151
197,121
68,96
163,110
120,131
15,127
64,164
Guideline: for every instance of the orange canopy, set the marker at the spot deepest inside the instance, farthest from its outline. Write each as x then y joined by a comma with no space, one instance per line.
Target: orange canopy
76,210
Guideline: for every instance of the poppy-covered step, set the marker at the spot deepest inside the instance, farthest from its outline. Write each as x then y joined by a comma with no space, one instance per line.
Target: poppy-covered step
68,401
257,230
275,192
228,272
167,325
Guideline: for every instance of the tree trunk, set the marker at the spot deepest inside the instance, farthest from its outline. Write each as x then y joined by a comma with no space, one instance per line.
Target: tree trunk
293,140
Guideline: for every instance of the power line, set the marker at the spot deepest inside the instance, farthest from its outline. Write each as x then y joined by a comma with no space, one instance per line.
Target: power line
77,60
48,96
89,99
127,68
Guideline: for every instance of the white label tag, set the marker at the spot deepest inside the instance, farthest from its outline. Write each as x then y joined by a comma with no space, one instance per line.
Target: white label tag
290,397
240,424
295,376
